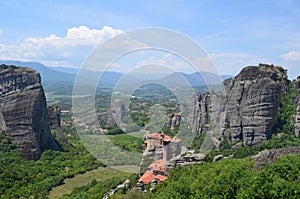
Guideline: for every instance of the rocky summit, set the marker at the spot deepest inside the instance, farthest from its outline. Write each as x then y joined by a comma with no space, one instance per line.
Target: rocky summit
245,111
23,111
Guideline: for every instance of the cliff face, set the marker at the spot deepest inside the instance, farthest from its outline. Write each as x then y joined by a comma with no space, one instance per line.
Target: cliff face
246,109
23,111
54,113
297,117
253,103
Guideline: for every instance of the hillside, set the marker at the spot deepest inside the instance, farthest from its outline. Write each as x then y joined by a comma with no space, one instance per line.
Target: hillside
48,75
232,178
194,79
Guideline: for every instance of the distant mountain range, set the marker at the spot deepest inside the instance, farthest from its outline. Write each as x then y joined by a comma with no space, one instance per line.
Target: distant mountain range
48,74
110,78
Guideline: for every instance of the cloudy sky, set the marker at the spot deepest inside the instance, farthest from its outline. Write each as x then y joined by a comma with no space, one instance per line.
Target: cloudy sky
233,33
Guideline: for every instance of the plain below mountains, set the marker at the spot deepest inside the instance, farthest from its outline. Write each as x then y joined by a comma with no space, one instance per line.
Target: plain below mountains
52,75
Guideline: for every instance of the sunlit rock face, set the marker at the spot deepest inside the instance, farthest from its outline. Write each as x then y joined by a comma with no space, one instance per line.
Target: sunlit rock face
23,111
246,108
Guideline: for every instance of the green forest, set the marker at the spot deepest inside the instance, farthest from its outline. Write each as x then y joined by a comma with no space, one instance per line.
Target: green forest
22,178
233,178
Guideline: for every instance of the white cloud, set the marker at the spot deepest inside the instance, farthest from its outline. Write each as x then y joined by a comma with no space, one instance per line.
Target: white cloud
85,36
81,35
71,49
165,59
1,33
173,62
292,55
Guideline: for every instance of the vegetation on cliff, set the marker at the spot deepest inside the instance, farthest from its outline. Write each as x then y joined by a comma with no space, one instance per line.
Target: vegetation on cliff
283,133
287,111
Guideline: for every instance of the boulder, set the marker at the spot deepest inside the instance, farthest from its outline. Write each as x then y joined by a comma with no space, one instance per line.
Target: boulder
269,156
217,158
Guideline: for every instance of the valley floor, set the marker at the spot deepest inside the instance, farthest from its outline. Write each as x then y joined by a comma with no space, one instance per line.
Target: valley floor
99,174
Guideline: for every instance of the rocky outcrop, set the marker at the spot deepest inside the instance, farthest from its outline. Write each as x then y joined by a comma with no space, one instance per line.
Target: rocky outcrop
110,118
246,108
54,113
106,119
297,102
269,156
23,111
253,104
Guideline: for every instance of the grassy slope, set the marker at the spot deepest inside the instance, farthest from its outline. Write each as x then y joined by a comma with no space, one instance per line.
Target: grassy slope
100,174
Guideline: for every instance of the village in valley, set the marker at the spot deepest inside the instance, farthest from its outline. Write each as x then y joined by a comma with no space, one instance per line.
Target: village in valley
166,153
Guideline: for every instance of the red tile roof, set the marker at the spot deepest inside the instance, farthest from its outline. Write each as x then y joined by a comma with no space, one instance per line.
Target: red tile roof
160,136
155,135
167,138
158,165
161,178
148,177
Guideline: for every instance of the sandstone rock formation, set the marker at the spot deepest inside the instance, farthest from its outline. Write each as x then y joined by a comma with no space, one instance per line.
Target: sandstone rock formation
269,156
297,116
106,119
23,111
54,113
246,108
253,103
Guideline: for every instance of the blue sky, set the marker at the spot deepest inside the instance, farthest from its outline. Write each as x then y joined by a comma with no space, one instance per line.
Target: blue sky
233,33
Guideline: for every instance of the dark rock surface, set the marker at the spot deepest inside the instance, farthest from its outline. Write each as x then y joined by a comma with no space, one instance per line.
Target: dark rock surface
297,116
54,115
269,156
253,103
23,111
246,108
106,119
